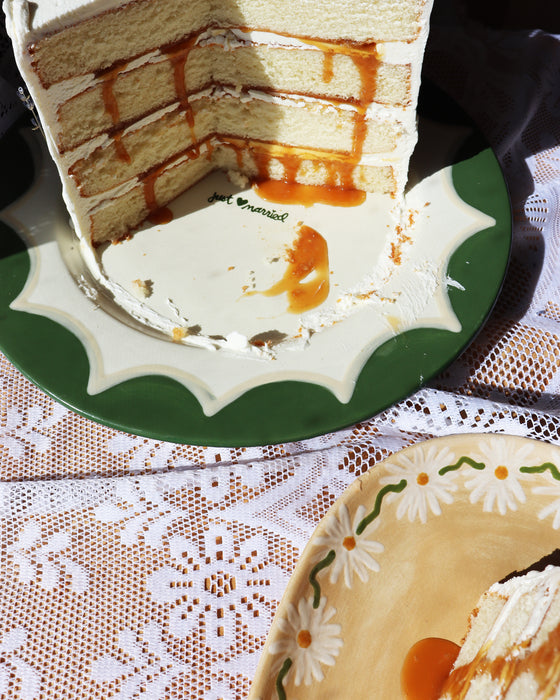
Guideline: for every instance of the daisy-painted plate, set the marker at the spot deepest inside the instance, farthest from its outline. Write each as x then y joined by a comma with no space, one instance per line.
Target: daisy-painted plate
404,554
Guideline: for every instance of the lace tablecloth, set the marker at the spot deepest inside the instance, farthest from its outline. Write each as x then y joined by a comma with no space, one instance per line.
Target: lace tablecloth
136,568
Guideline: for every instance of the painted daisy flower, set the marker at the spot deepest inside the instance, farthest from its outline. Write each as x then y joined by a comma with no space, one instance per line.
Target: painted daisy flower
354,553
552,508
308,639
426,487
499,483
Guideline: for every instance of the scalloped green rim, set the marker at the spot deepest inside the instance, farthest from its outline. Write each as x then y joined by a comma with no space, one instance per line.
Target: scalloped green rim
161,408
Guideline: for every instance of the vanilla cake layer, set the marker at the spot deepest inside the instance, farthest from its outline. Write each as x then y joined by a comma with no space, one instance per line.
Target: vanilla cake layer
139,26
133,94
113,217
223,58
100,175
284,120
512,648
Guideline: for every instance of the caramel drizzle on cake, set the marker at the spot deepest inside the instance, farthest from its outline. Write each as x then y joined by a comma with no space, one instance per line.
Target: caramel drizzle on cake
513,634
112,108
157,215
543,664
340,172
178,57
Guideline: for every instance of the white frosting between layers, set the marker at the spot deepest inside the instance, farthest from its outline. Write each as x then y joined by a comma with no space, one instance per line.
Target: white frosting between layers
542,586
397,159
230,39
395,53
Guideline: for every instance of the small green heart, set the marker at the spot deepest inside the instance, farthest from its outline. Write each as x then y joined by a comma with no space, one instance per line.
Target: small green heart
242,202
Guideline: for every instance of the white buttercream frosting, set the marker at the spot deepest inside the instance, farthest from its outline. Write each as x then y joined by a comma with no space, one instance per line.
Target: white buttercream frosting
36,18
541,586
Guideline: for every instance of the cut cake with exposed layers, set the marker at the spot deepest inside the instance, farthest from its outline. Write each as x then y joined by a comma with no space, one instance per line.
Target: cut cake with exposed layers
140,99
512,648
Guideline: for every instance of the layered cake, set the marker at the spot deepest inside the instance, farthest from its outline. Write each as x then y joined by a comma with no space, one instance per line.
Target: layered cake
312,100
512,648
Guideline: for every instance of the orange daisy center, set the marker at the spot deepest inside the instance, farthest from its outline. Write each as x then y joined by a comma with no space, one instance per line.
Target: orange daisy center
501,473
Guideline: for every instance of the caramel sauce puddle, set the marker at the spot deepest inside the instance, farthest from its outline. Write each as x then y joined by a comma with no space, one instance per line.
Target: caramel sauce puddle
427,667
308,256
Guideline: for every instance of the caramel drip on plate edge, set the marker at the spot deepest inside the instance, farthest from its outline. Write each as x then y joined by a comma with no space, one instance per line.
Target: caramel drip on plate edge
339,188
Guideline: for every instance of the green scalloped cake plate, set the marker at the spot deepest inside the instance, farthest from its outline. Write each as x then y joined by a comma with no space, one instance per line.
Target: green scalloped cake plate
404,555
77,351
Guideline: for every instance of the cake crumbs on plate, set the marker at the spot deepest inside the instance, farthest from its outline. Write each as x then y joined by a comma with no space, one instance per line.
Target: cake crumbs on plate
144,287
